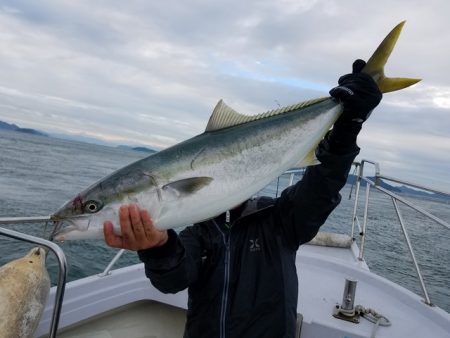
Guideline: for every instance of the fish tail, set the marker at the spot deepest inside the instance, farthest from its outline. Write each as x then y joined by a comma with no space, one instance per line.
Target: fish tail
375,65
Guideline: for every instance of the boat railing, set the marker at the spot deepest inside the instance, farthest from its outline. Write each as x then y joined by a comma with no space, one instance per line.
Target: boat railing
396,199
61,258
110,265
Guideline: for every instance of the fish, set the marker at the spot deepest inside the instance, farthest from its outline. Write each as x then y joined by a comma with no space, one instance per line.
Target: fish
24,289
235,157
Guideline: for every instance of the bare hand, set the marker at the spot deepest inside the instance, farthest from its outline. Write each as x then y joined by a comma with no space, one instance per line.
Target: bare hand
138,232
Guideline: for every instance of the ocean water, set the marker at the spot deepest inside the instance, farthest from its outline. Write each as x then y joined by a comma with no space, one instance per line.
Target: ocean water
38,174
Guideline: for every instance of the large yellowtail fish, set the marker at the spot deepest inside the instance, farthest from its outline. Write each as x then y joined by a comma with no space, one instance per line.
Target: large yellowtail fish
24,288
234,158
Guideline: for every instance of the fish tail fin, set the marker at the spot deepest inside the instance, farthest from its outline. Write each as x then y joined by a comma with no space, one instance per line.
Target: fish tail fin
375,65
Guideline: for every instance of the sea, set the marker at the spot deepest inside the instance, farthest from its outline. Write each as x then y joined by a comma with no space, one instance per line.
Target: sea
38,174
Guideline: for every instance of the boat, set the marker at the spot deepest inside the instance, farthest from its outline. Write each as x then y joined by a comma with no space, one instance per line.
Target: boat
344,299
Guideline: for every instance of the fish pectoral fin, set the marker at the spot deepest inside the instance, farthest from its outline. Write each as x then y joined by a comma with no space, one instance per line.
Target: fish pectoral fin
188,185
309,159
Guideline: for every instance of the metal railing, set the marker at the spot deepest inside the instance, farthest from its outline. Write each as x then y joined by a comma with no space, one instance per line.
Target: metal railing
292,173
375,184
113,261
61,258
395,200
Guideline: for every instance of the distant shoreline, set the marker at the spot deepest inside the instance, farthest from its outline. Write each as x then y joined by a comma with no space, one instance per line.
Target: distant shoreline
16,128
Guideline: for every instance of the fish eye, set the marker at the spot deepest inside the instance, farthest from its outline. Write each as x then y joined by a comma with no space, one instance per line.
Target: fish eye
91,206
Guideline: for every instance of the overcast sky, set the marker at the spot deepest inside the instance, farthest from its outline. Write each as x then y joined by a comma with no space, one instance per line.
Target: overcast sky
150,72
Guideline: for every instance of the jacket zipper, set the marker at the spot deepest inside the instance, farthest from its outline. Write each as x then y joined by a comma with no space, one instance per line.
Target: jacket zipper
225,292
223,310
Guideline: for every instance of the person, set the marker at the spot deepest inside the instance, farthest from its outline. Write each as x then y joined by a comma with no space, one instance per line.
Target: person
239,267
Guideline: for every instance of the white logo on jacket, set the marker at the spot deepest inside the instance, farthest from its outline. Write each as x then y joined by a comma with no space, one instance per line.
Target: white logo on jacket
254,245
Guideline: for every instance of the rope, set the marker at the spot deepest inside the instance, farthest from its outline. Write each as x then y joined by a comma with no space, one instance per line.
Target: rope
374,317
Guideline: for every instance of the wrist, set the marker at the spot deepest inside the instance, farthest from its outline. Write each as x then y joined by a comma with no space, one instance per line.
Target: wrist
165,248
342,138
164,239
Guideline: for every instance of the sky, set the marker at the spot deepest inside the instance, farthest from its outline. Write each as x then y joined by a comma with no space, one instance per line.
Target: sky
151,72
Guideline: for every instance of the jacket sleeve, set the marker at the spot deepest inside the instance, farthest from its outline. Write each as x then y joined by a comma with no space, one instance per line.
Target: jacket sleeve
175,265
304,207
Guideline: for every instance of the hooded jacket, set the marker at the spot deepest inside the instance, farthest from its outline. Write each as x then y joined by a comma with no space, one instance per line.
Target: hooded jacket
241,275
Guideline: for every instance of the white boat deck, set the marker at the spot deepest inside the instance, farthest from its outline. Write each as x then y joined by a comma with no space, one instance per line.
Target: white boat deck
137,320
124,304
322,274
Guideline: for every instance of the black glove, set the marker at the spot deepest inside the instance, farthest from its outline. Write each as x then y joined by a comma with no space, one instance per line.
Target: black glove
359,94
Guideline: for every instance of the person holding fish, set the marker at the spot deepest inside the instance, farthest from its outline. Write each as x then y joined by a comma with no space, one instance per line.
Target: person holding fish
239,267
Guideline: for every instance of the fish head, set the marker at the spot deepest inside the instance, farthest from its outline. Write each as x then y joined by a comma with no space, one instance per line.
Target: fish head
78,214
83,216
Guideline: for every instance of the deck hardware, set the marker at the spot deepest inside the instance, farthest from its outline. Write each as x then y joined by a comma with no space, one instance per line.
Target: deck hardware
346,311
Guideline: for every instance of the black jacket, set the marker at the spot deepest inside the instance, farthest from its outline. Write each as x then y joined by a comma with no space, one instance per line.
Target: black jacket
242,280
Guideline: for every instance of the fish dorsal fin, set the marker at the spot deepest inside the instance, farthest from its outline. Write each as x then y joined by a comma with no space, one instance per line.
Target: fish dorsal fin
223,116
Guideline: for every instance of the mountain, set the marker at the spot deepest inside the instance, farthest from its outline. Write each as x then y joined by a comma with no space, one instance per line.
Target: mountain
78,138
352,179
403,190
143,149
13,127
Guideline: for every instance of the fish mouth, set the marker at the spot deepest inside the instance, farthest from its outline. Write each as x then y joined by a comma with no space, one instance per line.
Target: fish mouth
63,226
59,226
